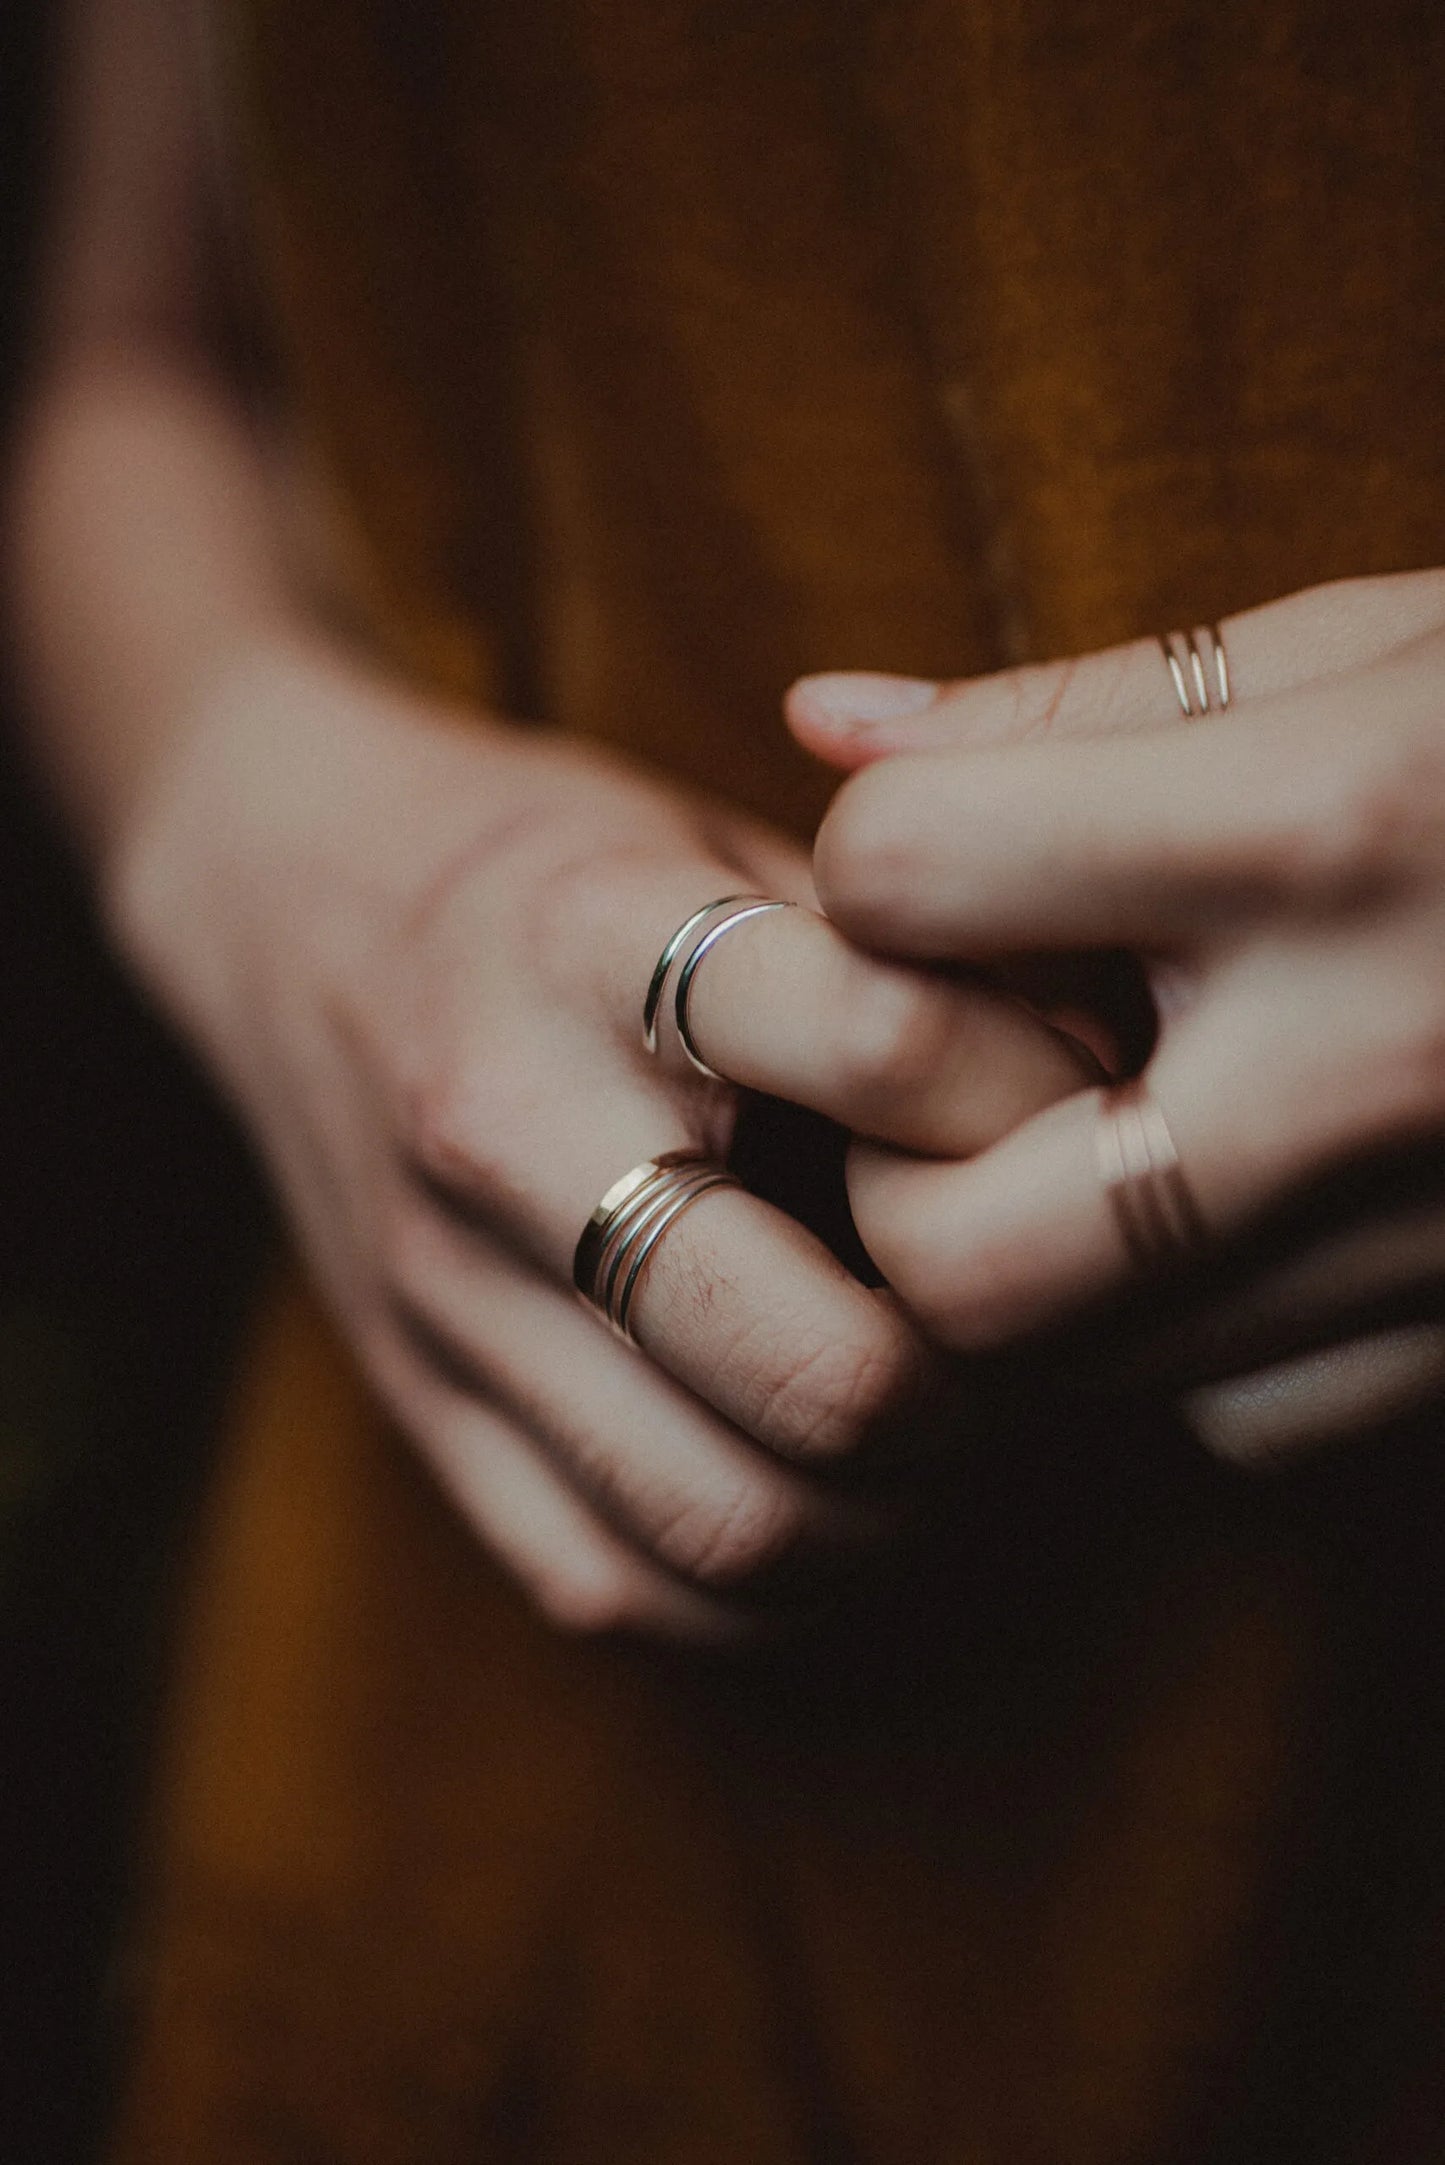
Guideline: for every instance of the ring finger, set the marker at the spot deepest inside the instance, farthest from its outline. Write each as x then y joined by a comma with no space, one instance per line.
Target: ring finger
661,1469
738,1302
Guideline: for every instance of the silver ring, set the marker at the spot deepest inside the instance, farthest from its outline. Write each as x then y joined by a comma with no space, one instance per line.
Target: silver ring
669,955
1201,682
634,1222
665,1217
623,1232
682,999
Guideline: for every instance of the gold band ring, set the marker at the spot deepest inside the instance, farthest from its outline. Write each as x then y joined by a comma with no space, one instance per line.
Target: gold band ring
623,1232
1200,678
1154,1207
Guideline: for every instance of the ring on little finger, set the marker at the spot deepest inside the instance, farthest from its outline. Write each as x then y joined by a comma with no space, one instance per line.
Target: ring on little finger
625,1230
683,954
1198,669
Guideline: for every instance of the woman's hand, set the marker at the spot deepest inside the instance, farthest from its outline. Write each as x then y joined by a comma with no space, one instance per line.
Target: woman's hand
417,953
1281,869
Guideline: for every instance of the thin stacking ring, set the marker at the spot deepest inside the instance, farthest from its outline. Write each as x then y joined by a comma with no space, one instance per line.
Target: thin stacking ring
1154,1207
623,1232
669,955
1201,686
682,999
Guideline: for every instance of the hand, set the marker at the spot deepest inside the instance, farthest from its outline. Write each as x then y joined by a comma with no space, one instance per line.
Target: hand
1281,869
416,954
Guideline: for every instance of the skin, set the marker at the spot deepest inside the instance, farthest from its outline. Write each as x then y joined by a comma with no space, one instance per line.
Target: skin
1280,870
412,943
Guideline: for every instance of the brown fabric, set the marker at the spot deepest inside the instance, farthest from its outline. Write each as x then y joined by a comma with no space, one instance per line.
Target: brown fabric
652,354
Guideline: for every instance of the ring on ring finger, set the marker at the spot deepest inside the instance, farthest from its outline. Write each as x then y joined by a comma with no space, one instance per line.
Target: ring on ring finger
629,1223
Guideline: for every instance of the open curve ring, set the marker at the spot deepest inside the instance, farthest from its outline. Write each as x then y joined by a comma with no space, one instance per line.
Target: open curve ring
695,937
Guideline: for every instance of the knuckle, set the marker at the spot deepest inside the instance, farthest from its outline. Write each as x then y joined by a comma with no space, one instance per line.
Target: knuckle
456,1124
406,1245
897,1032
575,911
441,1122
1429,584
1376,809
1040,697
863,850
1407,1088
1425,1065
824,1400
571,906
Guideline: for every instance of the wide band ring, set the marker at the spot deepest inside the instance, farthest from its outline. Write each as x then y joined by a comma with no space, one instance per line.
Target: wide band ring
1198,669
1154,1207
624,1231
695,937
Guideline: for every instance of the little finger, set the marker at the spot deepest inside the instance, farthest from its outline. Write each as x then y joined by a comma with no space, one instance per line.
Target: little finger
578,1571
1387,1270
1329,1396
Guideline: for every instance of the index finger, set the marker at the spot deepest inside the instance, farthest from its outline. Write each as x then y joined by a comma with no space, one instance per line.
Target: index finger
779,1002
788,1007
851,717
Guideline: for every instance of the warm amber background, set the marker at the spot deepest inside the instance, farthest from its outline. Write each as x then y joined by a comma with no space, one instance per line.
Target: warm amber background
126,1222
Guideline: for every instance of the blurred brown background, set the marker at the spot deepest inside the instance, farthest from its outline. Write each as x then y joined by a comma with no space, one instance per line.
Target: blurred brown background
128,1221
130,1224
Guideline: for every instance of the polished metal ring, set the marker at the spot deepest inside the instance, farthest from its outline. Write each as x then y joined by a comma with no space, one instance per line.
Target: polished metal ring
646,1239
1198,669
1154,1207
687,977
634,1222
658,981
623,1232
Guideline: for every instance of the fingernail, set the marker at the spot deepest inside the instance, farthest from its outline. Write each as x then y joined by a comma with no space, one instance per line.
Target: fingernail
852,699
